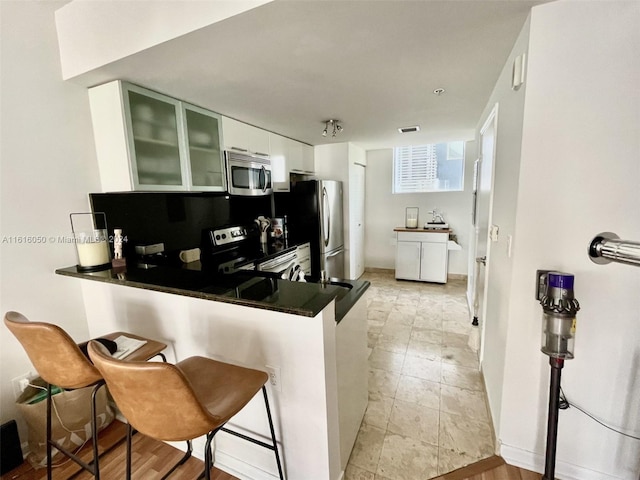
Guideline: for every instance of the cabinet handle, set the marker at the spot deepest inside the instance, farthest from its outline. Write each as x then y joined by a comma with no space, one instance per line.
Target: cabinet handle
261,154
239,149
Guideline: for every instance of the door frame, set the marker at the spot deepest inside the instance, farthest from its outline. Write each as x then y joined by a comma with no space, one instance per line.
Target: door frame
357,240
491,120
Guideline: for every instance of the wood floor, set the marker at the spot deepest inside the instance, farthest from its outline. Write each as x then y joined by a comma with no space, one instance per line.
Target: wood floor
150,461
492,468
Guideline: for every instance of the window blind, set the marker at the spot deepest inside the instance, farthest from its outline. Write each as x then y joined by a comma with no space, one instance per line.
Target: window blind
415,168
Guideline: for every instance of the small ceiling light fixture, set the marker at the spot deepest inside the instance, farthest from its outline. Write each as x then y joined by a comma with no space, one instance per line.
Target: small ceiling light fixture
332,125
438,91
415,128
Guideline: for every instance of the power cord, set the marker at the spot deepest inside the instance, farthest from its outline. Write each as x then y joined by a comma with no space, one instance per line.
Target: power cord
564,404
55,409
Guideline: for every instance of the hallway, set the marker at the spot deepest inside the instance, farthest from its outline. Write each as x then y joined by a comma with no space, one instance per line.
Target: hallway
427,412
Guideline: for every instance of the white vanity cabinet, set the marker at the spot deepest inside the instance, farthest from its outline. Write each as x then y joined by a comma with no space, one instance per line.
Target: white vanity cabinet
149,141
422,255
288,156
245,138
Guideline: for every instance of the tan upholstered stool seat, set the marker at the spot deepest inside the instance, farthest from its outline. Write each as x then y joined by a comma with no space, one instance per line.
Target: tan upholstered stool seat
192,398
209,379
60,361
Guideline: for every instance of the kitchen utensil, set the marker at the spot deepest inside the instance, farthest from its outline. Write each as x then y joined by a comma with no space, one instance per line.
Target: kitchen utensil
263,224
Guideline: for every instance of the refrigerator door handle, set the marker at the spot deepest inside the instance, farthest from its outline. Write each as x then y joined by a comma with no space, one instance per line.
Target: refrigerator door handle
327,216
335,253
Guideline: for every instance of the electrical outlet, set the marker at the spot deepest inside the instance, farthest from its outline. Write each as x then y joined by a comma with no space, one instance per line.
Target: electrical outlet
20,383
274,377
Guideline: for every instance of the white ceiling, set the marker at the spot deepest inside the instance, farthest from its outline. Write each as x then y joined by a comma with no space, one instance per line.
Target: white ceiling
289,65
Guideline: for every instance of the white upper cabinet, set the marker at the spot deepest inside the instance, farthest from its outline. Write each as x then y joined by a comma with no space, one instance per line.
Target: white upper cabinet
245,138
288,156
206,169
308,159
148,141
279,153
155,140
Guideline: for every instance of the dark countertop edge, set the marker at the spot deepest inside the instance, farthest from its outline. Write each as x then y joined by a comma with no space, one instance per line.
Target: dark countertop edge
193,294
350,299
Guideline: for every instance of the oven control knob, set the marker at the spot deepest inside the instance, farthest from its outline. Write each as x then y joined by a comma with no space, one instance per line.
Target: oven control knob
217,237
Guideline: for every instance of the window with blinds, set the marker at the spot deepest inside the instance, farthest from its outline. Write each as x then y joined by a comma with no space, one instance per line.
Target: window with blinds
428,168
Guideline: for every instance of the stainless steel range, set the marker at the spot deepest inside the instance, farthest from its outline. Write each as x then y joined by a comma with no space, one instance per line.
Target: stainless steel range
238,248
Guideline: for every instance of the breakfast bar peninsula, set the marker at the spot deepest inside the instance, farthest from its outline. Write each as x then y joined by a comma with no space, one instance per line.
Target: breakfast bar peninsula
317,365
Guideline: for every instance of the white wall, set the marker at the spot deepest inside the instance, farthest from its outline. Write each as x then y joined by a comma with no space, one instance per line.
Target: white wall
48,166
92,34
384,211
580,173
506,169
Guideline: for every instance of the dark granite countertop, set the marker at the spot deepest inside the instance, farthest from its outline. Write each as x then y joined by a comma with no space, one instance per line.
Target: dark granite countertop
251,289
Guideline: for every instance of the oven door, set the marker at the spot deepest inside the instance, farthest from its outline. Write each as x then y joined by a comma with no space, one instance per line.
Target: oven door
280,265
248,175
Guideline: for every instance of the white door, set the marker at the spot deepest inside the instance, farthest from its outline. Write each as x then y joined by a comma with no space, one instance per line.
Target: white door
357,186
484,207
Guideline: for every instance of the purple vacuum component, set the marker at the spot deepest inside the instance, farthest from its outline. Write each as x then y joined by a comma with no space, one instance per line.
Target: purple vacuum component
560,280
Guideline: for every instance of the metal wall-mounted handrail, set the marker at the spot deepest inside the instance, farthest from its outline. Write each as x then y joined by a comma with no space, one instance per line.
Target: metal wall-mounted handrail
607,247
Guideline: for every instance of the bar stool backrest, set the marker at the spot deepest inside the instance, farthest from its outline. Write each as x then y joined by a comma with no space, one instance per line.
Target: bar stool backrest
53,353
156,398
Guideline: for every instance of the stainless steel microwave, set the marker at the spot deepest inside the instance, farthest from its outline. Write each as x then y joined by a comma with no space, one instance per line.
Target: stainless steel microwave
247,174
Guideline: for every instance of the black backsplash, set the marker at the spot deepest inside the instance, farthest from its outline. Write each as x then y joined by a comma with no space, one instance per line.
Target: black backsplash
175,218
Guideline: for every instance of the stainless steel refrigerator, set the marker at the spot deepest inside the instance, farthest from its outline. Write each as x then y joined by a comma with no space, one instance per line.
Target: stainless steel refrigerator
314,215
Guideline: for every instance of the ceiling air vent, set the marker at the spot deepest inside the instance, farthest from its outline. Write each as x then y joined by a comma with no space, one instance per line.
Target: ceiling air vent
415,128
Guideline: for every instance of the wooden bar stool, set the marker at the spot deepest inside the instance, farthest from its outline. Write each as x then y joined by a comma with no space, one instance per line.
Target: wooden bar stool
195,397
60,361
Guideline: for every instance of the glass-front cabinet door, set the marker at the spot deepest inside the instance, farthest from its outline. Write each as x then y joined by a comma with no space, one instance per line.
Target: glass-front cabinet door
155,140
204,152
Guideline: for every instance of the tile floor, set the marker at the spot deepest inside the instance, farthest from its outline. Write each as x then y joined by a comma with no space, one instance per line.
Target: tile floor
427,413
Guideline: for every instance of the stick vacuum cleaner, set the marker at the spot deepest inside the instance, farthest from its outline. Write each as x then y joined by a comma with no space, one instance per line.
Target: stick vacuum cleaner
559,308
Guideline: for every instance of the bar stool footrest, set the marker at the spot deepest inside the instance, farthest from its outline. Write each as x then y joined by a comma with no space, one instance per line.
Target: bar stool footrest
249,439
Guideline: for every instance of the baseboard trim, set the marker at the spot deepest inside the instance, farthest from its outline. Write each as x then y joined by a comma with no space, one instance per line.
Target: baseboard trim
494,437
380,270
535,462
392,271
457,276
227,463
240,469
